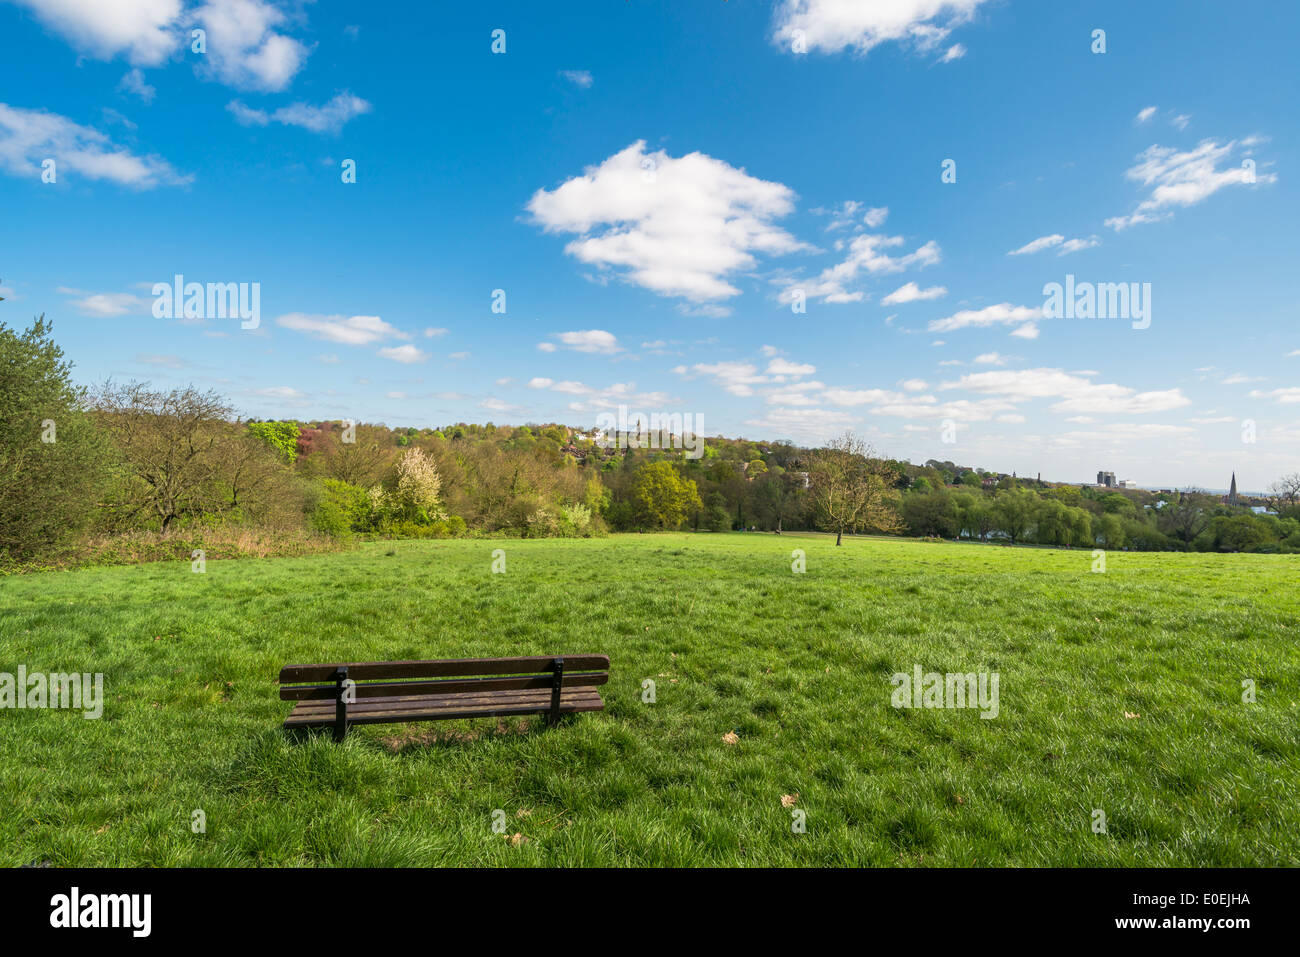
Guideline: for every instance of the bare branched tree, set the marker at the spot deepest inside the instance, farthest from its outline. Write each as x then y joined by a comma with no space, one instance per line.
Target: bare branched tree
170,444
852,488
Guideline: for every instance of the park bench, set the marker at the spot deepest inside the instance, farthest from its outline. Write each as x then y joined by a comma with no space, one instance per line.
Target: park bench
378,692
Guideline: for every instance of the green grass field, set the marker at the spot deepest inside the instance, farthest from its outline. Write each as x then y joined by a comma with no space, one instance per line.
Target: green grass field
797,665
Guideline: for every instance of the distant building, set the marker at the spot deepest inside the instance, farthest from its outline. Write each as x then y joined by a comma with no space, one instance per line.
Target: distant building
1107,480
1232,490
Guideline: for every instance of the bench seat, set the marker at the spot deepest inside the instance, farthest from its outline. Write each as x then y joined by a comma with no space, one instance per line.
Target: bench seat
378,692
487,704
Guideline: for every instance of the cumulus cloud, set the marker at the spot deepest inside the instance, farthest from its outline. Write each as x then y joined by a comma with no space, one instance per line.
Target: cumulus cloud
406,354
585,340
145,31
105,305
678,226
834,25
245,39
1056,240
1003,313
1285,396
133,82
28,137
244,46
911,292
866,254
1182,178
347,330
327,118
1075,394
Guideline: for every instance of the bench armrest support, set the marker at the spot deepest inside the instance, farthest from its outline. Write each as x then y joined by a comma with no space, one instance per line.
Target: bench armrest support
340,703
557,685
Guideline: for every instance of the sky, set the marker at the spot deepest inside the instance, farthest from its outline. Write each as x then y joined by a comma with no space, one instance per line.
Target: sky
787,218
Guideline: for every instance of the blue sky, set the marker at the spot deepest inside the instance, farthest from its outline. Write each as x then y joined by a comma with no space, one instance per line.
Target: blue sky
654,186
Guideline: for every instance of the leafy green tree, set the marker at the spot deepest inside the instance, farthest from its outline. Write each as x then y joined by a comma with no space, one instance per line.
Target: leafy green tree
51,456
660,498
280,436
1014,511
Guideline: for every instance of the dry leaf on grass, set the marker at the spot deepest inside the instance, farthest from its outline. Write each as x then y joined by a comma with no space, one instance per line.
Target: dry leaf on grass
515,839
788,800
730,737
1130,714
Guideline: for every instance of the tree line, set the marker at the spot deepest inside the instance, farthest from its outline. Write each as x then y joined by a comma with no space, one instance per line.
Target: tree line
85,465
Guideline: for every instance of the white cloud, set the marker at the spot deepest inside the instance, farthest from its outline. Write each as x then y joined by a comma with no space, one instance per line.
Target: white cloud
133,82
1002,314
915,385
244,48
1038,245
954,52
28,137
1181,121
144,30
990,359
329,118
812,424
677,226
1144,115
596,341
834,25
866,254
1074,245
348,330
1056,240
406,354
1075,393
105,305
432,331
1284,396
579,78
493,404
1182,179
734,377
911,292
784,367
876,216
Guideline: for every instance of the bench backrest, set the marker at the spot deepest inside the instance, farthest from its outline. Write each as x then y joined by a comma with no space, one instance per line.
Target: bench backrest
387,678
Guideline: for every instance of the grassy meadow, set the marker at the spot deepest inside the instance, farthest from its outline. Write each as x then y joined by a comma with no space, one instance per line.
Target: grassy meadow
1119,691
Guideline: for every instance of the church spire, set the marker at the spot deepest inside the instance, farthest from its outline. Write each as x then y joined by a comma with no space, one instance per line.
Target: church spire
1232,490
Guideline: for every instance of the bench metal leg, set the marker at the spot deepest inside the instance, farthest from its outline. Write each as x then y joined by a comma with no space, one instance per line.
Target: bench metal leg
340,704
557,685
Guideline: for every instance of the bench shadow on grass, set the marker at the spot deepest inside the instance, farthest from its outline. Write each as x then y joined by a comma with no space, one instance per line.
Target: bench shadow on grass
447,735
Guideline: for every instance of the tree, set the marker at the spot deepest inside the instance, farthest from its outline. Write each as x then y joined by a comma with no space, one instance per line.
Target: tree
661,498
930,513
852,488
1014,511
51,457
1285,493
172,446
414,490
281,436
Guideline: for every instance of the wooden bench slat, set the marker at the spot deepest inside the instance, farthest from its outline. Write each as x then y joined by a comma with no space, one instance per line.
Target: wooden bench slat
422,710
442,668
468,699
443,686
